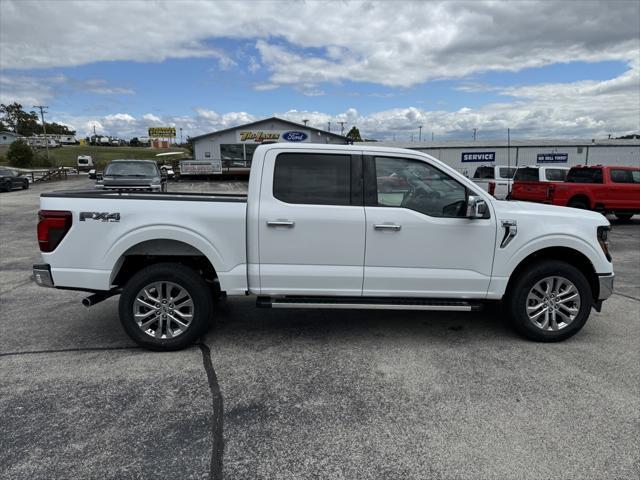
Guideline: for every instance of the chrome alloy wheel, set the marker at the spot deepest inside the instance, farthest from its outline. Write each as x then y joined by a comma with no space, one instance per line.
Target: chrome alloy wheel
163,310
553,303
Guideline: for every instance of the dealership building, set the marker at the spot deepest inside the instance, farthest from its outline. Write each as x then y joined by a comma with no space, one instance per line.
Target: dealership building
232,149
466,156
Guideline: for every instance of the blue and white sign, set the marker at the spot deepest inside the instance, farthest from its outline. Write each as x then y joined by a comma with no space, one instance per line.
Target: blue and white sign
294,136
478,156
553,158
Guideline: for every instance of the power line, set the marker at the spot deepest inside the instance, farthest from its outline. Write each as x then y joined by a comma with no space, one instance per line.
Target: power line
44,108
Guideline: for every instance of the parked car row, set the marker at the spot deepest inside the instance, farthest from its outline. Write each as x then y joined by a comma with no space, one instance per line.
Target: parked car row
606,189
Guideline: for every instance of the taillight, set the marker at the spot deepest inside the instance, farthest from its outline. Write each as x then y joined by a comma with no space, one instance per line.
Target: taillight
53,225
492,188
551,189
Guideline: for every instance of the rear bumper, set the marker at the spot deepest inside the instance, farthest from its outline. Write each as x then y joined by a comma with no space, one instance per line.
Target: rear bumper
606,286
42,275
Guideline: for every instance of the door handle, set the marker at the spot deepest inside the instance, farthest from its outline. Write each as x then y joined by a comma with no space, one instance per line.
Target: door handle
387,226
280,223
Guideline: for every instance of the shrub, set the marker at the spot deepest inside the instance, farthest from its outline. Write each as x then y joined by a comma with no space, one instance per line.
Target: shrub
40,160
20,154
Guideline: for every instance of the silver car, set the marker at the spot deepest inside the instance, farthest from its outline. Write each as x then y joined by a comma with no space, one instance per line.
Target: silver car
133,175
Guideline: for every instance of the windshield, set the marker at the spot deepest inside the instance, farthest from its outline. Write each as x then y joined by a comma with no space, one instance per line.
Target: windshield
131,169
527,174
484,172
4,171
585,175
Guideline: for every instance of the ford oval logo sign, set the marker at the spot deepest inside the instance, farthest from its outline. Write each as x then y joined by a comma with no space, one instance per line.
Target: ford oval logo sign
294,136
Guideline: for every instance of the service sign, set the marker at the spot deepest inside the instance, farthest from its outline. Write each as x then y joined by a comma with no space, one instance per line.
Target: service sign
553,158
478,156
162,132
259,136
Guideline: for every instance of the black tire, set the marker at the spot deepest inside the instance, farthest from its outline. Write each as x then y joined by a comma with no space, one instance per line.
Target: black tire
579,204
185,278
25,185
516,302
624,217
5,187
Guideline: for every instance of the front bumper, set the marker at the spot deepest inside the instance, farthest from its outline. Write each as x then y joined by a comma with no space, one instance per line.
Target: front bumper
42,275
606,286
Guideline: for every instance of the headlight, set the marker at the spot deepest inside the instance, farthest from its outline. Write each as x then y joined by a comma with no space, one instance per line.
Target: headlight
603,240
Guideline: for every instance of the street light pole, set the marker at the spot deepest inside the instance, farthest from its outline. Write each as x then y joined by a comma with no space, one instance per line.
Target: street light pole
180,135
44,128
420,134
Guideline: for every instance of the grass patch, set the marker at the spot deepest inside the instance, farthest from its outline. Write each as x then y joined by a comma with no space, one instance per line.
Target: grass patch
67,156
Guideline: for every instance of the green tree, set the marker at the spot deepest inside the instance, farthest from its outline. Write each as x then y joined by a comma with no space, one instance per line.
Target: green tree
21,122
354,134
134,142
20,154
57,129
189,145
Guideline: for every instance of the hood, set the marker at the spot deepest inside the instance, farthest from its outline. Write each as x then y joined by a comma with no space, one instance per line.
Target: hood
525,209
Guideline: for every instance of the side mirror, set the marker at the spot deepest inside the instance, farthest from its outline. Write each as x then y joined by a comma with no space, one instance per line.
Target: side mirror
476,207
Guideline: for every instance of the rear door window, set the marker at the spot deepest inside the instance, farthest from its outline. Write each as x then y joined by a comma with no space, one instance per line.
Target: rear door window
313,179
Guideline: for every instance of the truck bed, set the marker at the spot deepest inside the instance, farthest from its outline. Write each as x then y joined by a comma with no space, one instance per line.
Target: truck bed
108,226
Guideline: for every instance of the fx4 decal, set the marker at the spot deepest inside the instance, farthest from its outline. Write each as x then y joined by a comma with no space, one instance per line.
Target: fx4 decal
102,216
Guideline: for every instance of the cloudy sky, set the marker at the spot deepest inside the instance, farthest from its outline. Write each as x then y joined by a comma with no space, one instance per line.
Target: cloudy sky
553,69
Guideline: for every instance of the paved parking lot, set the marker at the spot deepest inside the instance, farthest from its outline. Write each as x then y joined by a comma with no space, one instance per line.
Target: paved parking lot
292,394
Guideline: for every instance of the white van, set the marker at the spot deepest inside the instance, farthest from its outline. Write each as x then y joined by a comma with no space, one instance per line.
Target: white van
85,162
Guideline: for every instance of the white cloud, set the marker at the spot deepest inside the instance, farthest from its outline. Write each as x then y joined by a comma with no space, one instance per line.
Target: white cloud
150,117
380,42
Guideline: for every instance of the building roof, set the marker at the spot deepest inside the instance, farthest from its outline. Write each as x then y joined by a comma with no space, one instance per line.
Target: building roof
270,119
503,143
6,132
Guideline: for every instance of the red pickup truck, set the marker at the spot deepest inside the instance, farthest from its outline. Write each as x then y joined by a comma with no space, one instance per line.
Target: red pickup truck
606,189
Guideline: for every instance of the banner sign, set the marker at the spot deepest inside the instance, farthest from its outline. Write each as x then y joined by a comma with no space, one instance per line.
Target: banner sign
479,156
162,132
553,158
259,136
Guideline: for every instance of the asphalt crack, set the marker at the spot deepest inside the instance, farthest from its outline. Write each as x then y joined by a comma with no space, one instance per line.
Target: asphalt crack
217,447
63,350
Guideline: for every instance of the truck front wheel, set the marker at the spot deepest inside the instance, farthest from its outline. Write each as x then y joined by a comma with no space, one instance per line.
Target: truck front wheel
550,301
165,306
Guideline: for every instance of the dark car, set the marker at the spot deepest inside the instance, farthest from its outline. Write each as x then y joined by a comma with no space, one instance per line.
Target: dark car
10,179
133,175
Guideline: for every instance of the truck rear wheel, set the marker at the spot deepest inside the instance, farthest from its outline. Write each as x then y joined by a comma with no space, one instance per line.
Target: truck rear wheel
625,217
550,301
166,306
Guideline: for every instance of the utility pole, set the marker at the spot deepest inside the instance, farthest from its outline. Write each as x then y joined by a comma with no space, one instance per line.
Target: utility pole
305,121
475,130
43,108
509,160
432,136
420,134
329,127
180,135
341,128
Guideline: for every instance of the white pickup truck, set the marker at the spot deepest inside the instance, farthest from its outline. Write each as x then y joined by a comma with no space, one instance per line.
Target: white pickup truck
326,226
495,179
